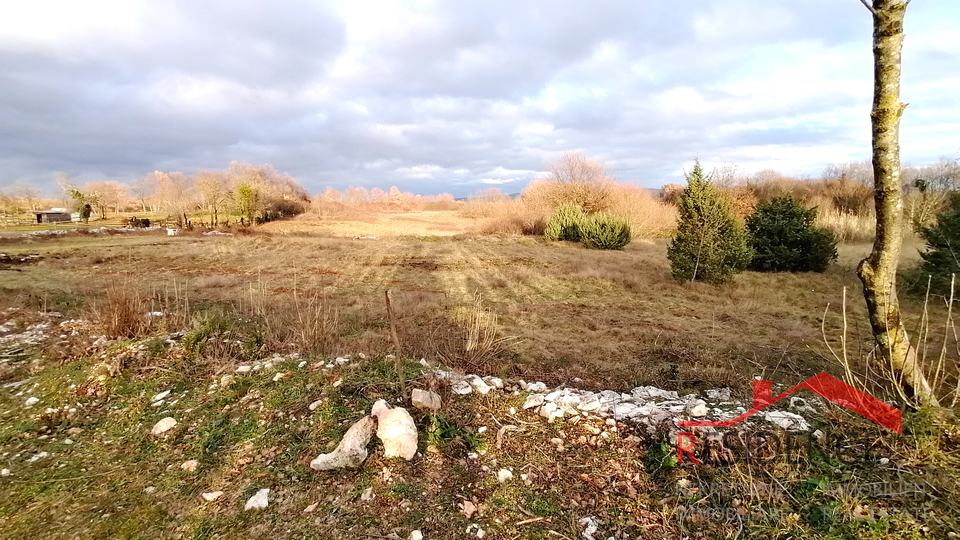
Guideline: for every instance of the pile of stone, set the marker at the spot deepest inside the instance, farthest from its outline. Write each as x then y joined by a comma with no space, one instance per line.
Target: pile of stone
647,407
394,427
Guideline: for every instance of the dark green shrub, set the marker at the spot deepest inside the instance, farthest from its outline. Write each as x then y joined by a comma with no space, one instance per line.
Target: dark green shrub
605,231
784,238
711,242
565,223
942,257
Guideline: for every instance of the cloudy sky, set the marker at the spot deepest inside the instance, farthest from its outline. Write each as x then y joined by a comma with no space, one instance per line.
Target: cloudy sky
456,96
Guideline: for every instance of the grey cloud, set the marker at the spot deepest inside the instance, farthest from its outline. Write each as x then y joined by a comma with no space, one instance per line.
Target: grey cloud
459,89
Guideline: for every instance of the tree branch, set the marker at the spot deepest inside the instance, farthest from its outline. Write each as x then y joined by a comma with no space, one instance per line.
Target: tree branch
868,6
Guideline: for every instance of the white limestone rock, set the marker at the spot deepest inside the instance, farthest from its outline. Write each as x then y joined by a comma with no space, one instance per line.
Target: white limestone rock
624,410
697,408
654,419
547,410
259,501
425,400
609,395
533,400
590,404
211,496
718,394
652,392
537,387
163,426
552,396
494,382
396,429
590,527
787,420
462,388
352,450
568,404
801,405
478,384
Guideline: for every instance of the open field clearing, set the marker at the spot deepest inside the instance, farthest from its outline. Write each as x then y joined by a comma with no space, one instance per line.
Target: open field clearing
94,328
378,224
600,316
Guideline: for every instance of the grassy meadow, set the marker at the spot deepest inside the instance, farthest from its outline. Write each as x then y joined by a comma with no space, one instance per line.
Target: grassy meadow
149,312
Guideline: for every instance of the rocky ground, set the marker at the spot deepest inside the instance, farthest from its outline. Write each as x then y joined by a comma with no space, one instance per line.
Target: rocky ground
108,438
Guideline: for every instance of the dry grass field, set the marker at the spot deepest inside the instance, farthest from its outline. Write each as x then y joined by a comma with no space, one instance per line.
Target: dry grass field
511,306
605,317
376,224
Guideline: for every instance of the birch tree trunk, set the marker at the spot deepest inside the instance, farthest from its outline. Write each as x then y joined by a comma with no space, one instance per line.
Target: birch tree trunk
878,272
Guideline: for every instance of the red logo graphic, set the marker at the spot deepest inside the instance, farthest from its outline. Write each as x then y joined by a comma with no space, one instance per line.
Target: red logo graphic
826,386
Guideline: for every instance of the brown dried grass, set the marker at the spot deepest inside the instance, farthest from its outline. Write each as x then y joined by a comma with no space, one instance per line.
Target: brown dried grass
648,216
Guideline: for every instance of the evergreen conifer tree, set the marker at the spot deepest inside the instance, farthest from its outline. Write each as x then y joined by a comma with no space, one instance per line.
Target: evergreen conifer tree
711,242
942,257
784,238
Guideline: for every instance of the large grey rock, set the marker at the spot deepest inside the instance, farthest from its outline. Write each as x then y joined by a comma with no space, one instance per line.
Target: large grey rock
352,450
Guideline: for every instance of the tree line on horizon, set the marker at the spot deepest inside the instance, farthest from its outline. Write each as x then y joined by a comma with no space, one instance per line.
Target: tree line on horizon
249,194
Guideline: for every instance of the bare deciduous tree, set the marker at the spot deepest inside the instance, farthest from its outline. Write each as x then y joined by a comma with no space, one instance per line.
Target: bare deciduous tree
727,175
489,195
143,190
855,171
27,194
214,191
175,193
878,271
106,193
576,167
577,179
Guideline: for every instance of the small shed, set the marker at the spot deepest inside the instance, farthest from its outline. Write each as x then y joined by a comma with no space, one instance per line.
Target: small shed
53,216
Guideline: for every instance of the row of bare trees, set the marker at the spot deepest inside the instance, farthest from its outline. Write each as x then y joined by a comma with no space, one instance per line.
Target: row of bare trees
360,201
843,194
248,193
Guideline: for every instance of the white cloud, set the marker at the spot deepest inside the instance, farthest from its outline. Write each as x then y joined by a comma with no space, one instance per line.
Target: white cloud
435,94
